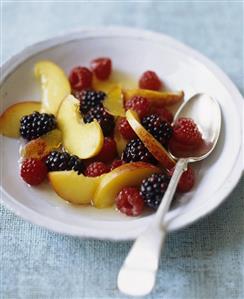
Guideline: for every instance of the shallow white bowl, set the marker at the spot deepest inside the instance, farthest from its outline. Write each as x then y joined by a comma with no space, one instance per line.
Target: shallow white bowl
132,52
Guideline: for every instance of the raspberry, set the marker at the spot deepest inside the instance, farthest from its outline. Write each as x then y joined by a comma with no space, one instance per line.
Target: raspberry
59,161
105,119
108,151
129,201
150,80
187,180
186,132
80,78
36,124
153,189
102,68
89,98
161,130
163,113
96,169
136,151
138,104
125,129
33,171
116,163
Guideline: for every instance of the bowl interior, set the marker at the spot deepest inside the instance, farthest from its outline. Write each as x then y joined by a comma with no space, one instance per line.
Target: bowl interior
179,71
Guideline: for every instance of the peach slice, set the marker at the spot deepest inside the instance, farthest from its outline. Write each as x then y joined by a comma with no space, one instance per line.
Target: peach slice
42,146
70,186
80,139
113,102
10,119
155,148
125,79
55,85
120,141
130,174
104,86
157,98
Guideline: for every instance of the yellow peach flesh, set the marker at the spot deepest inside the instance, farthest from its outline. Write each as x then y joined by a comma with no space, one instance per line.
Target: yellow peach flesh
54,83
10,119
70,186
83,140
120,141
113,102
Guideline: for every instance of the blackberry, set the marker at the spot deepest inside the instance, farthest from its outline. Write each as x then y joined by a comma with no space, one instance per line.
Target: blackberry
58,161
153,189
135,151
160,129
36,124
76,164
89,99
105,119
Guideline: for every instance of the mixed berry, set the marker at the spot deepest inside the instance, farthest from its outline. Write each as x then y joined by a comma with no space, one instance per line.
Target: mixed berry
108,151
187,180
150,80
116,163
186,132
139,104
105,120
136,151
96,169
80,78
102,68
89,99
153,189
33,171
160,129
129,201
127,127
60,160
36,124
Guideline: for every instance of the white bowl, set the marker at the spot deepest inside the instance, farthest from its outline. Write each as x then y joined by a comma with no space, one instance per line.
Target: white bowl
132,52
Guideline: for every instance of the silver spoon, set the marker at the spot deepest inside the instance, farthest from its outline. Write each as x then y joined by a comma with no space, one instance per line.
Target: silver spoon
138,273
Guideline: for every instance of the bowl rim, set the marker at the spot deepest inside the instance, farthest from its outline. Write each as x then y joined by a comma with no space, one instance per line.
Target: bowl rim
181,220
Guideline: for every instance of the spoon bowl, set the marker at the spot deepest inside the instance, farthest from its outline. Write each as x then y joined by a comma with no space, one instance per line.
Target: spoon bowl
205,111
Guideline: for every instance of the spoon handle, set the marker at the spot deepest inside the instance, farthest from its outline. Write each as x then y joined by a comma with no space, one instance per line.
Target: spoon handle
163,208
138,273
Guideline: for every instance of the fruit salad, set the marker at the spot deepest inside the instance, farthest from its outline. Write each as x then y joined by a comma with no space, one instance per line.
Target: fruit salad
96,142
